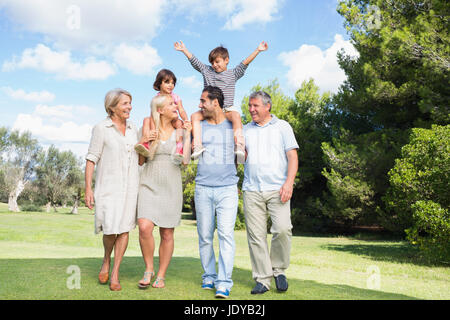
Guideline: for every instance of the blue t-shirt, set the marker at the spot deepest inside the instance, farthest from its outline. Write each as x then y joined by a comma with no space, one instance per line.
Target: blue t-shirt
216,166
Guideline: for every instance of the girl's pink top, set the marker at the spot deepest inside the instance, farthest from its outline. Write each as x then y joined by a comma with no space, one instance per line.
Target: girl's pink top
175,97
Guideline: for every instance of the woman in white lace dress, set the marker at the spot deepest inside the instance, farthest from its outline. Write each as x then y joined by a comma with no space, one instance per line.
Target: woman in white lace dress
116,181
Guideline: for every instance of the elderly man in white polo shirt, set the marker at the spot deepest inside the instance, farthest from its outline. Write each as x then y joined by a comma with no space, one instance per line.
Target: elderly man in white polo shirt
270,168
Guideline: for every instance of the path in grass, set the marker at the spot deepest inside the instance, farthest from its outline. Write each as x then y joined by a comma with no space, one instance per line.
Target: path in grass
36,250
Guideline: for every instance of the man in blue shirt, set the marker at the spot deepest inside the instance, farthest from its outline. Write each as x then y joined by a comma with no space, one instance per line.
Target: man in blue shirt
269,173
216,193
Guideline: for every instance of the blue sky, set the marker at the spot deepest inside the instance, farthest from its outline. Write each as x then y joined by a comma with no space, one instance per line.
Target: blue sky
60,57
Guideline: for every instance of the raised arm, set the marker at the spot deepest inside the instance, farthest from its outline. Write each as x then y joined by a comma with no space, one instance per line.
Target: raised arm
261,47
195,63
179,46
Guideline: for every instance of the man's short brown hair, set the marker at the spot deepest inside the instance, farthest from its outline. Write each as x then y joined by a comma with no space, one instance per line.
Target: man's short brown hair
218,52
215,93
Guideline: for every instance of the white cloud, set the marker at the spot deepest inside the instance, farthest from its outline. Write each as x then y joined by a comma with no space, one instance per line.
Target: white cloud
311,62
112,28
41,123
60,63
191,82
252,11
82,23
190,33
238,13
138,60
65,132
56,111
79,149
35,96
62,125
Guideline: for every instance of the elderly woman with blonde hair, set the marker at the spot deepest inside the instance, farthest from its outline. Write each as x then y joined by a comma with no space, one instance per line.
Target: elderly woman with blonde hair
160,198
116,181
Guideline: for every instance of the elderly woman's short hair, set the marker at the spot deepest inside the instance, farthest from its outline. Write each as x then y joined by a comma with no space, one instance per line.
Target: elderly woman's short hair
264,96
112,98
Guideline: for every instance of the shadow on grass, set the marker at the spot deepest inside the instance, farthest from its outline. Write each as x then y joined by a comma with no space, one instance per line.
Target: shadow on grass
399,253
44,279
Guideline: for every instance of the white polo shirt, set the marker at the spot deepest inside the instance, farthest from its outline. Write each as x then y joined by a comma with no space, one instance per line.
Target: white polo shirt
266,165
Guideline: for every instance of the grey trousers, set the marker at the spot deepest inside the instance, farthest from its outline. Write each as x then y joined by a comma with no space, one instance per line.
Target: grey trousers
258,206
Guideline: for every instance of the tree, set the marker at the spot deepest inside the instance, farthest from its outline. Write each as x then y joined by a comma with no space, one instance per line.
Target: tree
18,153
58,172
312,118
417,200
188,174
76,189
400,79
357,173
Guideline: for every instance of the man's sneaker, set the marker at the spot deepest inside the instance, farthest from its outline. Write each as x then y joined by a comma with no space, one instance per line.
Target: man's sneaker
222,293
259,289
281,282
197,152
208,286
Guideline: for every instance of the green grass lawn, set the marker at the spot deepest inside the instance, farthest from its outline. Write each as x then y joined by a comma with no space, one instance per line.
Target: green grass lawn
36,250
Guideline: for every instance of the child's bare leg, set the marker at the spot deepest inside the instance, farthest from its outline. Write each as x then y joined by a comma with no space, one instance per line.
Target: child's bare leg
235,119
197,128
197,134
154,144
178,125
146,131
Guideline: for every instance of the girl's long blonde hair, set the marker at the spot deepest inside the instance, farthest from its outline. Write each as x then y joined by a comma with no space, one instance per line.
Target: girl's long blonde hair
157,103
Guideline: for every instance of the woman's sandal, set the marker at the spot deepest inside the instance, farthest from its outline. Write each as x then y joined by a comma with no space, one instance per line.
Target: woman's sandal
115,286
159,283
147,275
103,277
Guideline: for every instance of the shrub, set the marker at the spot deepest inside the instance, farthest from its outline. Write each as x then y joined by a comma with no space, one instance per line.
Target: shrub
431,230
423,173
240,219
31,207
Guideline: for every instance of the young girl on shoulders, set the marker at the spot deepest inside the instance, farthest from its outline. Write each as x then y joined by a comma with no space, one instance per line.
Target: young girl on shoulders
164,83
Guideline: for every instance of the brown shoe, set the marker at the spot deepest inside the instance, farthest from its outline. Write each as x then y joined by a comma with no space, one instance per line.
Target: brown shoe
103,277
115,286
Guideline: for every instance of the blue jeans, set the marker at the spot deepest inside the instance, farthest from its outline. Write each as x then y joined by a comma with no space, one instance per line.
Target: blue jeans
222,201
